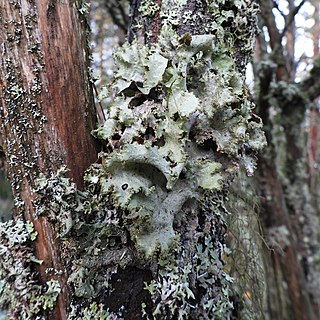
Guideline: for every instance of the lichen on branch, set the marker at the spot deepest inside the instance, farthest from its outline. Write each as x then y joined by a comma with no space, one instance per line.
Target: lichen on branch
20,294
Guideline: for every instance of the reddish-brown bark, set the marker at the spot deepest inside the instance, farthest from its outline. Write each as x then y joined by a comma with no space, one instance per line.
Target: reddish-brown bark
314,114
282,264
48,125
156,25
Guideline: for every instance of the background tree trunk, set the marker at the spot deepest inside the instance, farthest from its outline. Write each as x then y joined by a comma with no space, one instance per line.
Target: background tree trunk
288,216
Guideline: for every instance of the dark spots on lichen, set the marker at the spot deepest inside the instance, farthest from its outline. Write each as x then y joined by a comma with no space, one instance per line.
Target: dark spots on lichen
185,39
149,134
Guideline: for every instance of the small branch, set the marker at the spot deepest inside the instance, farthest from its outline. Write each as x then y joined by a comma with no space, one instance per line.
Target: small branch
100,112
134,8
290,17
124,16
118,14
261,40
270,22
275,5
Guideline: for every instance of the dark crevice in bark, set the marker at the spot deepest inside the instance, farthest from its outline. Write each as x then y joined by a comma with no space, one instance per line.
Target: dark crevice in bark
129,293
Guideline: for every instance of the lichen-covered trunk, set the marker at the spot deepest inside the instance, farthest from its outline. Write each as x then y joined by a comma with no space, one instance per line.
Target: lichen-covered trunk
289,218
47,113
145,238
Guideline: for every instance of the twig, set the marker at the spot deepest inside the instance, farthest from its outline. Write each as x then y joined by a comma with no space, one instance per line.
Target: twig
100,111
119,18
290,17
275,5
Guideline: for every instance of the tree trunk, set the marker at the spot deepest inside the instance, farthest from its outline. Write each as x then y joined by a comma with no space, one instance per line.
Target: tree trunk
47,112
145,238
288,217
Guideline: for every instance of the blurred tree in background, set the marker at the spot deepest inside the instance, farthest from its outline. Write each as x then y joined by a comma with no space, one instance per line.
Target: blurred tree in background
285,91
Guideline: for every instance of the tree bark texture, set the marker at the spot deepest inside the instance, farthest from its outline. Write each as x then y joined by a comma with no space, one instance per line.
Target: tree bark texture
169,31
47,111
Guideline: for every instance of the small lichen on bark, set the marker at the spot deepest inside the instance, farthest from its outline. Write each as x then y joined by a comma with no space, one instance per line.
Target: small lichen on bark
20,295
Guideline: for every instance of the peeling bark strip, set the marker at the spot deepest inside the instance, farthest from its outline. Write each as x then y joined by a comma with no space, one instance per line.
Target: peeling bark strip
66,85
46,111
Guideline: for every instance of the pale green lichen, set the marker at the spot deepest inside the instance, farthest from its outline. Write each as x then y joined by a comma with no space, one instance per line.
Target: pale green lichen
148,8
19,292
83,7
154,135
51,294
93,311
82,220
207,174
174,295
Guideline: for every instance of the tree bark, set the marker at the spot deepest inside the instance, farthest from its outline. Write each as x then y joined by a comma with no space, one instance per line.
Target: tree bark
47,111
166,28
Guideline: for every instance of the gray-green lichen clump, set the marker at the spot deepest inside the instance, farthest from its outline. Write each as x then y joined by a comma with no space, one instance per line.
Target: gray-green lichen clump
19,292
180,126
170,137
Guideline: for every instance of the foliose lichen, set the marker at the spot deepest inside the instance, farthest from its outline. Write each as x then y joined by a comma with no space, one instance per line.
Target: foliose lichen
20,295
97,245
93,311
161,123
